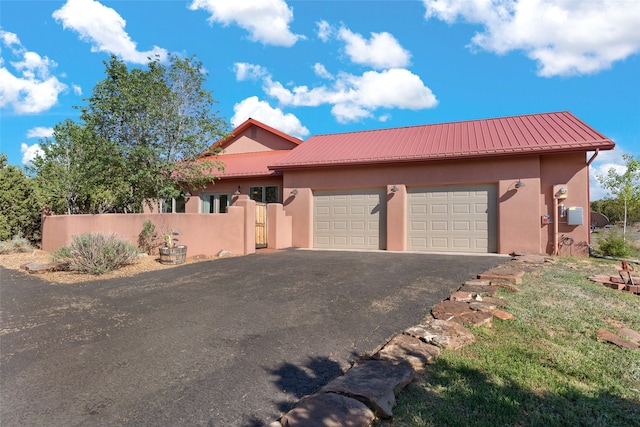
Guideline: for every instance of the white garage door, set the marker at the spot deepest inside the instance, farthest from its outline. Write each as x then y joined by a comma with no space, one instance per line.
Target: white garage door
352,219
452,219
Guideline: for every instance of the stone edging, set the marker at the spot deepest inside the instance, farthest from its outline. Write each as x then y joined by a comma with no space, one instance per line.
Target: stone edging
370,387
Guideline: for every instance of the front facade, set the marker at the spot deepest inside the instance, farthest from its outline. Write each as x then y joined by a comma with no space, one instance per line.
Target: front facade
246,155
514,184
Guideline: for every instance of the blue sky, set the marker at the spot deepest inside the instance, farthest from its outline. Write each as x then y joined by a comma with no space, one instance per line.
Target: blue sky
315,67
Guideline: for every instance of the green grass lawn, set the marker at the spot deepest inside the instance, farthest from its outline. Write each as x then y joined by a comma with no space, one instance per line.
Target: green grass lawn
546,368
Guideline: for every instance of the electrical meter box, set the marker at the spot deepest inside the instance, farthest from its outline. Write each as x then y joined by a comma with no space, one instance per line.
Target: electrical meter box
574,216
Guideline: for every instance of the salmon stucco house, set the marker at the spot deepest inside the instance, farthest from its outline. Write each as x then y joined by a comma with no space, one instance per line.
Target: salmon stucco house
501,185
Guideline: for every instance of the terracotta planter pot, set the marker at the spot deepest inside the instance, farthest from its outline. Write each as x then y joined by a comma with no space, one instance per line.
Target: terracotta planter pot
175,255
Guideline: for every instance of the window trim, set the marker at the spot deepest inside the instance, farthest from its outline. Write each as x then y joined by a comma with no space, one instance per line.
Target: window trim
215,197
264,193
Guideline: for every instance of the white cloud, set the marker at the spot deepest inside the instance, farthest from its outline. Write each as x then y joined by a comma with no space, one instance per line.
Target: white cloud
565,37
325,31
103,27
381,51
267,21
356,97
322,72
30,152
77,89
611,159
40,132
252,107
246,71
30,88
10,39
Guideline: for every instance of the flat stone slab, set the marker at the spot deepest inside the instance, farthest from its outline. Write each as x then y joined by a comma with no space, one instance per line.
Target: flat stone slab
373,382
447,310
505,285
39,268
482,306
478,282
510,273
503,315
408,350
475,319
629,334
609,336
481,290
328,410
461,296
443,333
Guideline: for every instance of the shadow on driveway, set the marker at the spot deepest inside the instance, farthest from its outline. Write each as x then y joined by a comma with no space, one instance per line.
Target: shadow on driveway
230,342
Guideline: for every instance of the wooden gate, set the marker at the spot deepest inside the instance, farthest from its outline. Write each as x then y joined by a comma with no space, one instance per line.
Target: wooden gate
261,225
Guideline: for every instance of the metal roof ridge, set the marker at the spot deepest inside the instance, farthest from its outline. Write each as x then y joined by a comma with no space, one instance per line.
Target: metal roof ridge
446,123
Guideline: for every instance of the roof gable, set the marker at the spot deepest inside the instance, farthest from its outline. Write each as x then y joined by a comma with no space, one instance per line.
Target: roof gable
525,134
253,136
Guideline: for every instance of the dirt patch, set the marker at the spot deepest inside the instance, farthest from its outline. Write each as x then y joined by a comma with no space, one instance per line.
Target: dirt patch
144,263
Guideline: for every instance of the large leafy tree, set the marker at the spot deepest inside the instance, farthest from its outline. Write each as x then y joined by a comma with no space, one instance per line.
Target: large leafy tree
141,138
624,186
19,203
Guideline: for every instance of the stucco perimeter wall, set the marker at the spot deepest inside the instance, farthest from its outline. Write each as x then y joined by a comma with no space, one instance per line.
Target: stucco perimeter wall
203,234
519,226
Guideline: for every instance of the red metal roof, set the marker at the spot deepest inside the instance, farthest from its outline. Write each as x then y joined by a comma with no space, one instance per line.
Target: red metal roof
249,164
525,134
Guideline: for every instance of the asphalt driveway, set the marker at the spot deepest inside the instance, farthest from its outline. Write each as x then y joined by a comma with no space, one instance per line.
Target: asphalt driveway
230,342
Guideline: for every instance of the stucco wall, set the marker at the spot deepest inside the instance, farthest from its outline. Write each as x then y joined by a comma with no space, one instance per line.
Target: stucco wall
519,210
203,234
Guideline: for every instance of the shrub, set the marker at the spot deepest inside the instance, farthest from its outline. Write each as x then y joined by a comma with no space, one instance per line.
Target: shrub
614,245
17,244
148,238
96,253
61,254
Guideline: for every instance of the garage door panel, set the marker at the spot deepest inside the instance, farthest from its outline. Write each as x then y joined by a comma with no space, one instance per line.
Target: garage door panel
357,219
452,219
357,226
323,225
439,243
461,226
461,243
418,209
438,226
338,226
324,210
460,209
437,209
339,210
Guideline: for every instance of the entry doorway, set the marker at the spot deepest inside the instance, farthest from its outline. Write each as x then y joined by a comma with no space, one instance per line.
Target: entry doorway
261,225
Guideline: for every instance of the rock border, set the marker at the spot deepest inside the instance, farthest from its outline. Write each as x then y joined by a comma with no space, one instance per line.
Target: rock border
369,388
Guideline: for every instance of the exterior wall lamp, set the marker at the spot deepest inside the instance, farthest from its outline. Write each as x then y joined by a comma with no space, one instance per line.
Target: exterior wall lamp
394,189
294,192
520,184
237,193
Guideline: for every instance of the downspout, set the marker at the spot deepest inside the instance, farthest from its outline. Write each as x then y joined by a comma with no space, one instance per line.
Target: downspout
595,154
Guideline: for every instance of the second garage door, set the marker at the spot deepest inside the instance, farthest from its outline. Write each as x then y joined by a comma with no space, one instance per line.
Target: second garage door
452,219
349,219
